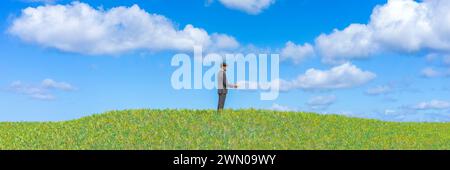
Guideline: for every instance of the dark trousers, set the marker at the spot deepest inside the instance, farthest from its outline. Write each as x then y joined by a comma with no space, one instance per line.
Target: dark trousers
221,104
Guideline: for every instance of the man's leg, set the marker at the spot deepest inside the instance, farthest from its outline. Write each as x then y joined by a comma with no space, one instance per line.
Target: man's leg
221,104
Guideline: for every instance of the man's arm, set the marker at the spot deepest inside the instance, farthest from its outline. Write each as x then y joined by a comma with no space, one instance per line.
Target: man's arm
229,84
232,85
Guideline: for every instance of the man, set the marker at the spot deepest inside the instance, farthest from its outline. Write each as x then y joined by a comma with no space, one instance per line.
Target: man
223,86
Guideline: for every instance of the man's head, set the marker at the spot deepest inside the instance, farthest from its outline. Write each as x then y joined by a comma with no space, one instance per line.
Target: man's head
224,66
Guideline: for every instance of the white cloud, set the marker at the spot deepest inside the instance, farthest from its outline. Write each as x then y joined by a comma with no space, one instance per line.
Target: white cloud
431,57
379,90
342,76
321,102
80,28
446,60
400,26
249,6
354,41
390,111
438,59
430,73
278,107
43,91
52,84
438,66
222,41
296,53
432,105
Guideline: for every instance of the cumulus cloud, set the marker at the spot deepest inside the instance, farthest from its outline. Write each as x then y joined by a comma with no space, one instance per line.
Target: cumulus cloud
354,41
43,91
80,28
432,105
343,76
249,6
296,53
321,102
403,26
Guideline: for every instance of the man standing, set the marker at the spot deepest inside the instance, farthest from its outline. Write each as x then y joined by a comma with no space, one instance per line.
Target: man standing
223,86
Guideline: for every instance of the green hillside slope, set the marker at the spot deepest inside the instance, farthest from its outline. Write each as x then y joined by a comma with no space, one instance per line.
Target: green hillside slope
232,129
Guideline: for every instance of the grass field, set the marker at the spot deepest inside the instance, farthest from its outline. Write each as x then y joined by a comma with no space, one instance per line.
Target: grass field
232,129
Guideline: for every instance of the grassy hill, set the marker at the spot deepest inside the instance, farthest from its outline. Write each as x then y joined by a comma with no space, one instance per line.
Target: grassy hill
232,129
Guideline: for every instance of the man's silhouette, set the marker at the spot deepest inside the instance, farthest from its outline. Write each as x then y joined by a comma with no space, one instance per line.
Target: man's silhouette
223,86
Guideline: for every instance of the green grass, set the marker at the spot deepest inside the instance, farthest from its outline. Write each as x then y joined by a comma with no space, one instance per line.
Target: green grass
232,129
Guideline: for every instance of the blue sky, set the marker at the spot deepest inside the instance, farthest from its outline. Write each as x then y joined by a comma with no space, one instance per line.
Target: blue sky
57,70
